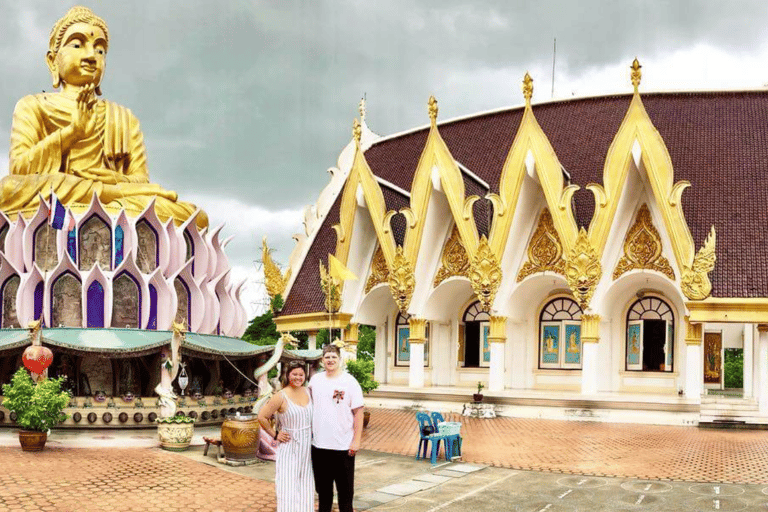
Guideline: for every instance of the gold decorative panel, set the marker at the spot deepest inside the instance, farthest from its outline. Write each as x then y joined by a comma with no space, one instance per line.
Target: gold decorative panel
454,261
331,289
583,270
401,280
545,251
713,344
695,279
485,274
642,248
274,281
379,270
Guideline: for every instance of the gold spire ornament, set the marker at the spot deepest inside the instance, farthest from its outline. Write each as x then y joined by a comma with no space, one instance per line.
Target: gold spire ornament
636,73
583,270
695,281
545,251
331,289
379,270
357,131
527,87
433,109
485,274
642,248
274,281
361,109
401,280
454,261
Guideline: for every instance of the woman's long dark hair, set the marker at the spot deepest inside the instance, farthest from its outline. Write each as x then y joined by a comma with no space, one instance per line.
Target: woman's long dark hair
292,365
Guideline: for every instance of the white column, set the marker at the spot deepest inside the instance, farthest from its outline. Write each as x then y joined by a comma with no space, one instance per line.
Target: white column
380,359
694,363
762,393
590,337
497,337
416,339
748,358
312,341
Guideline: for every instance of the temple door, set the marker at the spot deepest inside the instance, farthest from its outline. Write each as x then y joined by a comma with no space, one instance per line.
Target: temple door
713,348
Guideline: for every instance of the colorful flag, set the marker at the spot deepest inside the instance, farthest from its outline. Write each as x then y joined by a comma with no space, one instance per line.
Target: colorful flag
338,271
59,216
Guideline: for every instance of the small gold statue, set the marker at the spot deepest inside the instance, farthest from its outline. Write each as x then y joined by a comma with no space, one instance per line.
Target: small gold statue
77,145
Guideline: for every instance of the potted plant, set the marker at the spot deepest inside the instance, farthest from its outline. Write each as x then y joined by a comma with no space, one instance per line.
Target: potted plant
478,397
362,371
175,433
38,407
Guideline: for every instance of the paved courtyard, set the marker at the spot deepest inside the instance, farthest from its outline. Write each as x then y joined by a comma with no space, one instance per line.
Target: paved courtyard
508,464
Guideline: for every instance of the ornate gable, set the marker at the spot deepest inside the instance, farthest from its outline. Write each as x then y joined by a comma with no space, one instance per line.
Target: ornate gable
454,261
545,251
642,248
379,270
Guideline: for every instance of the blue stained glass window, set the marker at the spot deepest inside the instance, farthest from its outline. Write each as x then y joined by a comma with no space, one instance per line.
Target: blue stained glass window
152,323
39,300
72,244
119,236
95,305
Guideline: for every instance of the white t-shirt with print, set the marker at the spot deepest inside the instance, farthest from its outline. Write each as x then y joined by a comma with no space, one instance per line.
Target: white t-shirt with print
333,400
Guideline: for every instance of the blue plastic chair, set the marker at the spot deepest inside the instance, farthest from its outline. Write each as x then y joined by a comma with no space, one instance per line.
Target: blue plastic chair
424,421
451,444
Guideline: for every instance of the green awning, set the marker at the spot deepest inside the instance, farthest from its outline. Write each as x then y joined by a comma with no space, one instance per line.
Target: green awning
13,338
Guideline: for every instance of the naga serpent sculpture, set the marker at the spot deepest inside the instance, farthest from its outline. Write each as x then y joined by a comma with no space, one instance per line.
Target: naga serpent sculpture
169,367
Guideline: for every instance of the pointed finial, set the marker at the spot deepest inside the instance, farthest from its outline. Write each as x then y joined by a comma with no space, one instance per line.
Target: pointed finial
357,132
527,87
432,108
636,73
361,109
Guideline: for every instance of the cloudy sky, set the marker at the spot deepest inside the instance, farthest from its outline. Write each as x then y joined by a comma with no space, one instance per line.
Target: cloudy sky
245,104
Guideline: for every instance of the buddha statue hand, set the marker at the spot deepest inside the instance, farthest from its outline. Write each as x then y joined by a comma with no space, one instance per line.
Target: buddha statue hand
83,117
102,175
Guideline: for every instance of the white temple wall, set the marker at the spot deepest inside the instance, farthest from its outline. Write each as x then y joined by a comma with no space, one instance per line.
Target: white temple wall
362,245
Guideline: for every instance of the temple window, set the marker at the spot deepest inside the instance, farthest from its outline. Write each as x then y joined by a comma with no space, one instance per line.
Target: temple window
560,335
39,292
67,302
650,336
474,351
3,234
152,322
147,247
190,247
45,255
8,293
95,244
119,240
182,309
126,302
72,244
402,332
95,305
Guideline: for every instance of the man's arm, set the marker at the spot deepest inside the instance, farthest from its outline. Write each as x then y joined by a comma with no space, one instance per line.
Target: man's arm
358,426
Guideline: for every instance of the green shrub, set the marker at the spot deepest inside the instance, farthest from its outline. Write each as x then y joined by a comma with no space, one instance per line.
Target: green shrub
37,406
734,368
362,372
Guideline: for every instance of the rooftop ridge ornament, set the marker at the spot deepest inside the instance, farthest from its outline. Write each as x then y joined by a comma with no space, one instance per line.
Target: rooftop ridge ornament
527,88
433,109
636,74
361,109
357,131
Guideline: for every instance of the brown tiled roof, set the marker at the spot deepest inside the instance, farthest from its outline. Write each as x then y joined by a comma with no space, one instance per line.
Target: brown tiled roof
717,140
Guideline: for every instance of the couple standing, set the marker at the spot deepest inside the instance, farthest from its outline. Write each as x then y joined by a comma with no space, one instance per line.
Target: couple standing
326,420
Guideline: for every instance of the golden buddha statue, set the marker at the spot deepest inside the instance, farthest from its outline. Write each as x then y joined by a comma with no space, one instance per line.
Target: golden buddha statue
77,145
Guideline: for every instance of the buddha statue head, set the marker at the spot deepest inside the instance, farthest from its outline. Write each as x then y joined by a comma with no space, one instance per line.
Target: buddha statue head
77,49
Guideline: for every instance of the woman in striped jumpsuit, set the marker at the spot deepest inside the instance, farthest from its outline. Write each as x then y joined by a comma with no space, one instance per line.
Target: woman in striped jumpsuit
294,481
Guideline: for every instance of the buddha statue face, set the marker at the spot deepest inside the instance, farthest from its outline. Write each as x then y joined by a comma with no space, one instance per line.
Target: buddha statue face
78,49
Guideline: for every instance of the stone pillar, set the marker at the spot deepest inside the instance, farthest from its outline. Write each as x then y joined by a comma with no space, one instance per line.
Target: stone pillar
312,341
694,363
748,359
416,340
497,337
762,354
380,359
590,337
351,339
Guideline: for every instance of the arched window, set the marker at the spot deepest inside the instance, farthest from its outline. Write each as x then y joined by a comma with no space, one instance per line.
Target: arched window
3,233
190,246
147,256
474,351
402,333
45,254
95,305
10,289
182,308
119,239
152,322
560,335
72,244
39,291
126,302
650,336
95,244
67,302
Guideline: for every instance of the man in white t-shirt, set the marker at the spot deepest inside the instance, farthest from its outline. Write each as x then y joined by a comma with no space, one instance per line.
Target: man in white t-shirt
337,427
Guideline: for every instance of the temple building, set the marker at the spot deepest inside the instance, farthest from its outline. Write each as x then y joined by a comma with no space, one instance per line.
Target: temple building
592,257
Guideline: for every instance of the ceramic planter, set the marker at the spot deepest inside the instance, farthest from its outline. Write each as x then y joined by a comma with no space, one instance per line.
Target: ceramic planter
32,440
366,418
175,436
477,397
240,437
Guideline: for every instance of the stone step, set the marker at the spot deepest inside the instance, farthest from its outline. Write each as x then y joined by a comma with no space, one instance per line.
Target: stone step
729,407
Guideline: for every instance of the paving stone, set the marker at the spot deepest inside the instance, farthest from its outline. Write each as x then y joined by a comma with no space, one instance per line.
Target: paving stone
448,472
430,477
378,497
406,488
464,468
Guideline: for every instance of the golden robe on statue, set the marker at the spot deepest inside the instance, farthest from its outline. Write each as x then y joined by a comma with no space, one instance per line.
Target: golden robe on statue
110,162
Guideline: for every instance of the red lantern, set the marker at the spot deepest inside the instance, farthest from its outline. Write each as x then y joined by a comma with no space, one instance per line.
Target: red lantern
37,358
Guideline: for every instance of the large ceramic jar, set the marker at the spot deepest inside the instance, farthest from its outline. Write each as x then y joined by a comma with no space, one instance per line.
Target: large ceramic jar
32,440
175,436
240,437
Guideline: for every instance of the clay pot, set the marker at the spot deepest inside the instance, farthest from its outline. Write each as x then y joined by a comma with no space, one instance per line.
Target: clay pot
477,397
175,436
366,418
240,437
32,440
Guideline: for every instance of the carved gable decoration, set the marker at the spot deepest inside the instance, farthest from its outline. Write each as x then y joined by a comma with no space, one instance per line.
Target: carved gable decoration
454,261
583,270
485,274
379,271
642,248
545,251
401,280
